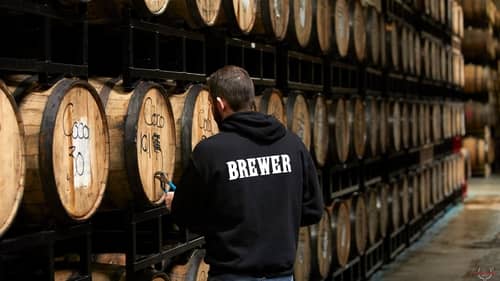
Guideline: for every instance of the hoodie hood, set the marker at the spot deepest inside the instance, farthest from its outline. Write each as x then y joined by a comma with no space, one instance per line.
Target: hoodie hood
254,125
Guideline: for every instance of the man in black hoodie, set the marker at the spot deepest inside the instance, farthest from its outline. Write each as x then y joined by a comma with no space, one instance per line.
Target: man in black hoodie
247,189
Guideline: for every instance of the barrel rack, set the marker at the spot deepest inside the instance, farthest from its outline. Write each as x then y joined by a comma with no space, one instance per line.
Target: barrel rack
45,46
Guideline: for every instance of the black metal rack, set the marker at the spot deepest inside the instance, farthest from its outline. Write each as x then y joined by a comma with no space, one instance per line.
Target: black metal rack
38,249
299,71
139,49
396,243
148,238
351,272
44,39
373,259
342,179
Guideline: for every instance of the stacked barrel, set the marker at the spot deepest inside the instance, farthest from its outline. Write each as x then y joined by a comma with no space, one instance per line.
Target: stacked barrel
479,47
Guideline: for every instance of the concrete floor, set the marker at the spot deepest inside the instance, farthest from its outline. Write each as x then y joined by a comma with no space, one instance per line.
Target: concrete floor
467,238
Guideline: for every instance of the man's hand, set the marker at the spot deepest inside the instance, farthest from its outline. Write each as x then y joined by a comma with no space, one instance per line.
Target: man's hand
168,200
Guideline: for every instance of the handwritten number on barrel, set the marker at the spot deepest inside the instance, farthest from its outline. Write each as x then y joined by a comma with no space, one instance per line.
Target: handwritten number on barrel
151,118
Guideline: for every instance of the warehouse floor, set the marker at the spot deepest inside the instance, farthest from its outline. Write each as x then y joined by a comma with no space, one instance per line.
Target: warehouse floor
467,238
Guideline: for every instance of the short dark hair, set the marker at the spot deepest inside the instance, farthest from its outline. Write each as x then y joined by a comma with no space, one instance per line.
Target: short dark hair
234,85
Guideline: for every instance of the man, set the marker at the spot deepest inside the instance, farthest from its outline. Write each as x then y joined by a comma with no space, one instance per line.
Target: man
247,189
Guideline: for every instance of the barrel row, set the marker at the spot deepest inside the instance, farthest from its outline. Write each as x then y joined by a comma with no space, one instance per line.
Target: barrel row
350,226
479,12
480,149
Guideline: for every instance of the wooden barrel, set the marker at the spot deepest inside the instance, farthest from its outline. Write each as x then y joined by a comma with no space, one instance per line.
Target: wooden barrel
383,209
372,35
415,195
418,54
67,148
442,11
359,224
372,121
426,57
444,64
446,180
477,115
477,149
394,202
432,60
440,181
196,14
318,109
478,11
341,232
421,123
383,41
109,272
423,190
194,269
321,247
358,128
383,131
446,121
358,30
142,131
301,21
272,18
394,125
477,78
241,13
393,44
101,11
414,124
373,216
341,27
478,44
271,103
302,266
427,122
405,125
434,184
13,158
298,117
405,199
490,142
436,122
194,122
449,66
323,15
411,51
338,120
404,49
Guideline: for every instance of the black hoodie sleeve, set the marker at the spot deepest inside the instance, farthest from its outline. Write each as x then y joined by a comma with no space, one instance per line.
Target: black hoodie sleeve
189,203
312,201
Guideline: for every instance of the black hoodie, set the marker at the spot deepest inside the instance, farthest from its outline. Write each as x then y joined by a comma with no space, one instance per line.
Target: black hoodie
248,189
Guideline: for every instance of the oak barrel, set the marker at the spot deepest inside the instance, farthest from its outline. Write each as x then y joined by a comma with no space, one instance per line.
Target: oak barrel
321,247
301,21
13,160
383,131
142,131
272,18
404,43
298,117
383,41
427,122
479,11
373,216
436,122
194,269
394,202
394,125
320,133
418,54
302,266
411,51
240,13
110,272
359,224
358,127
477,78
393,44
271,103
446,182
446,121
415,195
423,190
405,199
324,25
383,207
444,64
405,125
434,184
414,124
440,182
421,123
478,44
194,122
373,29
477,115
358,30
338,120
196,14
341,232
426,57
67,148
372,121
341,27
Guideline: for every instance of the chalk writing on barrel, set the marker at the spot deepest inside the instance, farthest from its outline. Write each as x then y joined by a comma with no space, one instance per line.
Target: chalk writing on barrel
151,117
205,122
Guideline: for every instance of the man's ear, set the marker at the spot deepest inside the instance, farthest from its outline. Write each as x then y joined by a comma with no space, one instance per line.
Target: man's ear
220,103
